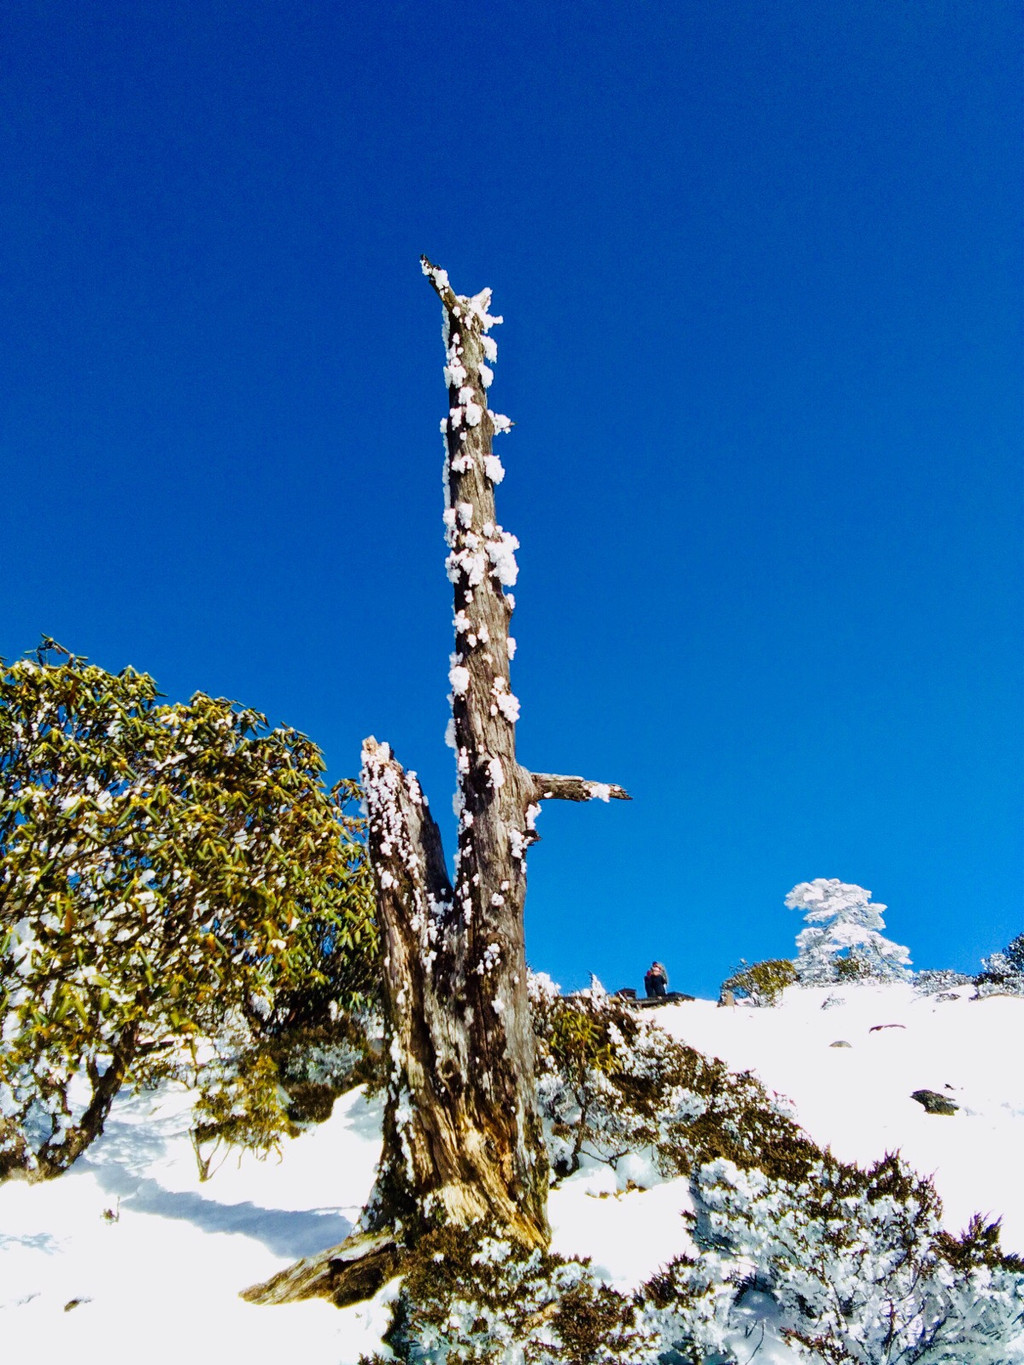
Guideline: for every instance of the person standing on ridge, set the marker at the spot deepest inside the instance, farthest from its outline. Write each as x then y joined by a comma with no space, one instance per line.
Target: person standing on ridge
656,981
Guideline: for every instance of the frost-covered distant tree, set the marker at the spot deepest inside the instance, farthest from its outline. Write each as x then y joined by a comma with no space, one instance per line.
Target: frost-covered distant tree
1003,973
843,935
463,1141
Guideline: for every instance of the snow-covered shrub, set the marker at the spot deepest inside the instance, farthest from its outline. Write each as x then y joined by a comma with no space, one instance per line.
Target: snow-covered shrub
984,1288
938,980
579,1042
1003,973
843,939
854,1263
317,1064
475,1296
175,885
610,1081
855,966
762,983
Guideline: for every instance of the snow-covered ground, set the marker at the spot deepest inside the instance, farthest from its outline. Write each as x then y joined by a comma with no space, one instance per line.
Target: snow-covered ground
857,1099
129,1258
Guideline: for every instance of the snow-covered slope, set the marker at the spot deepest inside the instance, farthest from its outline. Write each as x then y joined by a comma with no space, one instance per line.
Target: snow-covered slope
157,1279
857,1099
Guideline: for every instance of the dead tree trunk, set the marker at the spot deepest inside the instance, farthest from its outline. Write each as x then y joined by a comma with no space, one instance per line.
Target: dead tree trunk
462,1135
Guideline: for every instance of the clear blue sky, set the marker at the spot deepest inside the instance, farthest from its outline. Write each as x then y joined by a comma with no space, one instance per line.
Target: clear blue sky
760,267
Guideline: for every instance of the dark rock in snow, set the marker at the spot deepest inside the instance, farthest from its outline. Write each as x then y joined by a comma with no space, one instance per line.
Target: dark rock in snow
934,1103
673,998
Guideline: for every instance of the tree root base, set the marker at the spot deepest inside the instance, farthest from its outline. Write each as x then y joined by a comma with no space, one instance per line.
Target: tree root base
348,1273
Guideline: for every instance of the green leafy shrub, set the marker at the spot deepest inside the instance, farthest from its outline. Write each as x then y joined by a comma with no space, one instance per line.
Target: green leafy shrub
762,982
241,1104
256,1091
176,886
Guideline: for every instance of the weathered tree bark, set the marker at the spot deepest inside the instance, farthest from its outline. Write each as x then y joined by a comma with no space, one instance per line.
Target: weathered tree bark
462,1135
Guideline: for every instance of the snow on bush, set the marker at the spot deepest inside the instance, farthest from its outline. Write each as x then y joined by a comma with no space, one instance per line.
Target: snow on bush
475,1295
854,1264
939,981
612,1083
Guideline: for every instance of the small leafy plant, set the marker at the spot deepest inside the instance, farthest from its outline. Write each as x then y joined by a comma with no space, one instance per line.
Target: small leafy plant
762,982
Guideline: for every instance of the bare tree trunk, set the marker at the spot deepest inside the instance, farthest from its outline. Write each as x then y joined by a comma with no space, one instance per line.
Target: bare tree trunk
462,1135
